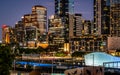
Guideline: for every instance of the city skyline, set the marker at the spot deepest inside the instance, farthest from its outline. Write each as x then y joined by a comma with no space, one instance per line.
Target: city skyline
12,11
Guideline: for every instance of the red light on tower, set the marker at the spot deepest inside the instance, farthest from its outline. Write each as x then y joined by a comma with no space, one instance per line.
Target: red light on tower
4,26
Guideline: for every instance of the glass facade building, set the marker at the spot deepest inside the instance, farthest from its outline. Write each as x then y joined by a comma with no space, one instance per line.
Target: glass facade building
39,18
55,33
101,17
98,58
19,32
63,8
87,44
35,25
107,17
115,17
78,25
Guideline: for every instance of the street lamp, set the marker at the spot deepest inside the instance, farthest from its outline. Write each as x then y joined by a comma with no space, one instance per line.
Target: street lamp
52,62
35,42
93,64
14,63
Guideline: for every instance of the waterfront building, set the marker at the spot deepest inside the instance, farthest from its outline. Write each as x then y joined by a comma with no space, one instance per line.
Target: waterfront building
100,58
55,32
88,43
61,24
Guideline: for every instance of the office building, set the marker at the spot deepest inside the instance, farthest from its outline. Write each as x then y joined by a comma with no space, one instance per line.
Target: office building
87,27
113,40
60,24
78,25
19,33
39,18
107,21
88,43
115,18
31,36
35,26
32,30
55,32
101,17
7,35
27,20
64,8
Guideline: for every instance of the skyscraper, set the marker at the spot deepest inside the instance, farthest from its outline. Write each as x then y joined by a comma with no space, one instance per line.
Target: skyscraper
27,20
39,18
64,8
56,28
101,17
87,27
19,32
115,17
35,26
5,35
78,25
107,19
59,24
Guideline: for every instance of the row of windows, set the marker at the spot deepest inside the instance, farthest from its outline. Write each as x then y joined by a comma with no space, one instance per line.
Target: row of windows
78,48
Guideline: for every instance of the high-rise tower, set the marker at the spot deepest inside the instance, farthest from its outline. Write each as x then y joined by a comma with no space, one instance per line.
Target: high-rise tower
39,18
115,18
65,8
107,20
106,17
101,17
62,7
36,26
78,26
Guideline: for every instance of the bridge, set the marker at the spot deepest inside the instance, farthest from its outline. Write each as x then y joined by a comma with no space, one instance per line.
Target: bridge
112,67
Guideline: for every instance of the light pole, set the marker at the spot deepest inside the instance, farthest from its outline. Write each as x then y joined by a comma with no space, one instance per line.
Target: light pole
14,64
93,64
35,42
52,63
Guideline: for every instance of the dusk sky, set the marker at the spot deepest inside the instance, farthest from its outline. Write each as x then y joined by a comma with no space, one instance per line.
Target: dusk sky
11,11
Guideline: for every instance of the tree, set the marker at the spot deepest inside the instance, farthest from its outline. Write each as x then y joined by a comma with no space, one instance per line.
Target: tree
60,54
78,54
6,59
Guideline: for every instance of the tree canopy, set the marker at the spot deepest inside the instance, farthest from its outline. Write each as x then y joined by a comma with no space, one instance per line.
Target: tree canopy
78,54
6,59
